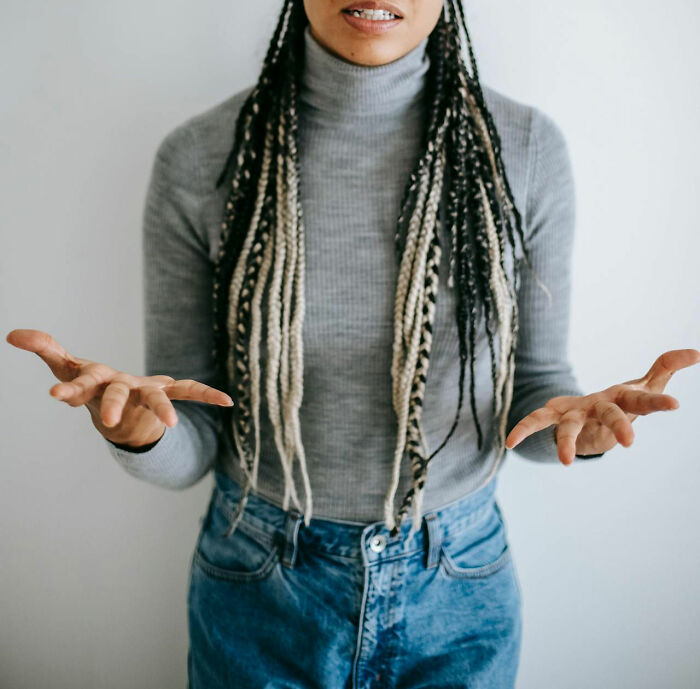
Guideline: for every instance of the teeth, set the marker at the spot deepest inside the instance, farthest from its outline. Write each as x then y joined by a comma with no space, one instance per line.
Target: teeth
373,15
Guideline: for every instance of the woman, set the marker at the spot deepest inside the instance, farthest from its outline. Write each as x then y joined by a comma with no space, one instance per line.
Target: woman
371,246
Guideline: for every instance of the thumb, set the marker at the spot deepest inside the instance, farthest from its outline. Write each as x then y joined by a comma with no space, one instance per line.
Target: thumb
63,365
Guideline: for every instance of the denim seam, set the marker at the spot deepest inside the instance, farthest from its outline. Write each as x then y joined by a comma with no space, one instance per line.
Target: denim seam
249,524
360,629
321,551
456,572
232,575
398,556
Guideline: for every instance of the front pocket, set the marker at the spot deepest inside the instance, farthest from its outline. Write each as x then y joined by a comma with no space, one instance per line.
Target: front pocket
248,554
478,550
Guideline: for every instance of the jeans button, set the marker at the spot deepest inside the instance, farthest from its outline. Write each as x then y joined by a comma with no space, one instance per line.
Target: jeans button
378,543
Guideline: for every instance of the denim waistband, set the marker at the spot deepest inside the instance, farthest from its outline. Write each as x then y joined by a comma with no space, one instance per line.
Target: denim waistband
370,541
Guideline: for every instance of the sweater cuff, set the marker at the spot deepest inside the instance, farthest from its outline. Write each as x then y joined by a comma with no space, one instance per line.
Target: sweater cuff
141,449
154,459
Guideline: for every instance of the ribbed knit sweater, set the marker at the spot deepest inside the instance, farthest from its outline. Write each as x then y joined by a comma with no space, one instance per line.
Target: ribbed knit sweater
360,131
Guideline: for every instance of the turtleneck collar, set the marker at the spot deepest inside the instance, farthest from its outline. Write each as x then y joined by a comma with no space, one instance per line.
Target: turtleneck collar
337,87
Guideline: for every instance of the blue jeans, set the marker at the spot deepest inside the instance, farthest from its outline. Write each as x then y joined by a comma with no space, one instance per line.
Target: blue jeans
342,605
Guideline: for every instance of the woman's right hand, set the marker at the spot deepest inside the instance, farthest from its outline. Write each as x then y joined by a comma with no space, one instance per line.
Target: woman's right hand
126,409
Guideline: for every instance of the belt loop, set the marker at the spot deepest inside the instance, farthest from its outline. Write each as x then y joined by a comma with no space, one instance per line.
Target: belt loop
432,523
291,531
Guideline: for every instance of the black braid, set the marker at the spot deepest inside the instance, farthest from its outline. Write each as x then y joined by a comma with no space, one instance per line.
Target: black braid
453,95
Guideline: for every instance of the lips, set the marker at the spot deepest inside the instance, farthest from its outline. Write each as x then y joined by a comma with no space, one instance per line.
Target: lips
374,5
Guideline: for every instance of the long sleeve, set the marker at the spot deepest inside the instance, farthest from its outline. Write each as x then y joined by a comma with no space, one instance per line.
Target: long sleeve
542,368
177,283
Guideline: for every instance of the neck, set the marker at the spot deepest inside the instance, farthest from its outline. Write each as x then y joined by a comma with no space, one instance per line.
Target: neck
339,88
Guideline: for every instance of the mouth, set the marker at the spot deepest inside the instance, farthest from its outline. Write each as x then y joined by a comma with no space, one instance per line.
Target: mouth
372,18
373,10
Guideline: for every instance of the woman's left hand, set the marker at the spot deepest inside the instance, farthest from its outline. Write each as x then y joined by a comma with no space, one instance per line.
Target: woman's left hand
595,423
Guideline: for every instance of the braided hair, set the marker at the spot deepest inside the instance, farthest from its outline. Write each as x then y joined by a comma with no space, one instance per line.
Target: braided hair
262,239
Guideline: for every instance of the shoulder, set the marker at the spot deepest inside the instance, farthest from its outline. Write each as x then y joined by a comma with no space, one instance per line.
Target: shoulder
533,144
524,125
192,153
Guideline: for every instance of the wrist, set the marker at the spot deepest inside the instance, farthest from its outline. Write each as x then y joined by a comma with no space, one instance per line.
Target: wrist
135,438
138,446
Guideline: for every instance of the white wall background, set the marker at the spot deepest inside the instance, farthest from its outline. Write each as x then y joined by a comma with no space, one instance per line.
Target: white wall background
93,566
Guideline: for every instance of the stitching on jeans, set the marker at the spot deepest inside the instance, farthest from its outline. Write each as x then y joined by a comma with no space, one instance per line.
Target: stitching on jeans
322,551
456,572
249,524
232,575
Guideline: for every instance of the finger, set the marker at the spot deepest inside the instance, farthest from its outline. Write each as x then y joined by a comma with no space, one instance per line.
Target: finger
159,403
610,415
62,364
533,422
114,399
642,402
83,387
570,425
187,389
667,364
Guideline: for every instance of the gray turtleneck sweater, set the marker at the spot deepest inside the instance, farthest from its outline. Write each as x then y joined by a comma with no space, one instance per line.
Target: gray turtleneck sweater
359,130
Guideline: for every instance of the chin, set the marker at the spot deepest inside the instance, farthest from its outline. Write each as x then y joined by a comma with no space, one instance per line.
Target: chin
371,51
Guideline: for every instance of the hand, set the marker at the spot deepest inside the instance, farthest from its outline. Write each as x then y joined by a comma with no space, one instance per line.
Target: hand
126,409
595,423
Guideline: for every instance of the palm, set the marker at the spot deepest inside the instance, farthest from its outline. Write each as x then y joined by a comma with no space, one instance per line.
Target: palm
595,423
121,405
